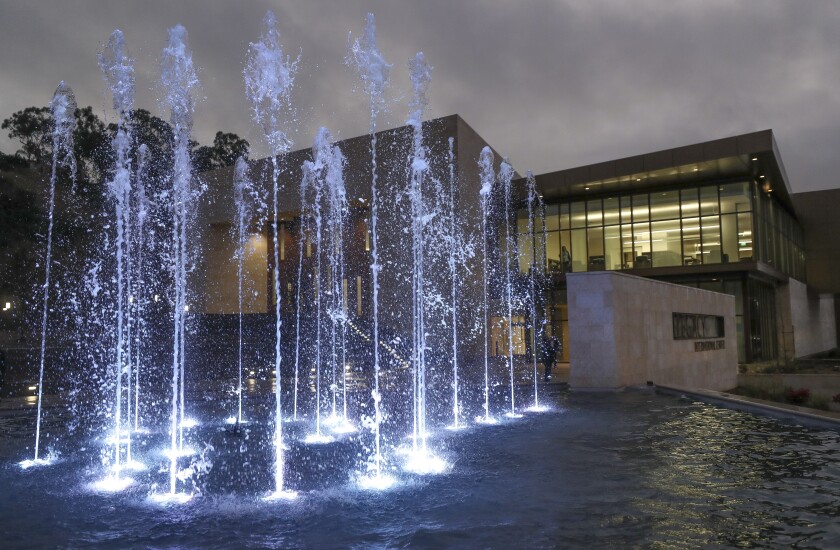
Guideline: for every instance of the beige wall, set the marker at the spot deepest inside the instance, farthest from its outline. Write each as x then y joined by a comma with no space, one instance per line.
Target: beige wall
807,320
621,334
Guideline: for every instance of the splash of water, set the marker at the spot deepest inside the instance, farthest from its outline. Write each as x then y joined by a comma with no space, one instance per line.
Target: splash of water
505,177
118,71
243,192
336,204
63,109
269,76
179,79
532,200
313,175
374,72
143,207
420,72
455,247
488,178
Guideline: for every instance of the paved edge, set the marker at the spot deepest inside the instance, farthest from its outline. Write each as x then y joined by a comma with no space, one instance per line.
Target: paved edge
801,415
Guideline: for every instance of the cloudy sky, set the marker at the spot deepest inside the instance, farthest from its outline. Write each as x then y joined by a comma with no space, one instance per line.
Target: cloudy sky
550,84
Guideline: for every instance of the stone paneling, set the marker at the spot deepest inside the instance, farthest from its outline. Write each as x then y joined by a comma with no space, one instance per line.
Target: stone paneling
621,334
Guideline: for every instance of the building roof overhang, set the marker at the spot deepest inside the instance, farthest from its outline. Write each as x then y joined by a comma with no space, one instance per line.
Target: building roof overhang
754,156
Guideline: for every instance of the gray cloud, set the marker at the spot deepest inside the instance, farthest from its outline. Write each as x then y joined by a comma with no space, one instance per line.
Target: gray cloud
551,84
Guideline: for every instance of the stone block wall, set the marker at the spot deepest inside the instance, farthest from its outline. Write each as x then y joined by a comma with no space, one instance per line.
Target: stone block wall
808,316
621,334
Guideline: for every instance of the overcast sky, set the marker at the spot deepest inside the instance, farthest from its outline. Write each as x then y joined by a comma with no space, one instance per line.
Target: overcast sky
550,84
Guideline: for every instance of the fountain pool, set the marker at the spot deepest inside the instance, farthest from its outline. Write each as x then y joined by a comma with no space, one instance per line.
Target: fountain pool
615,469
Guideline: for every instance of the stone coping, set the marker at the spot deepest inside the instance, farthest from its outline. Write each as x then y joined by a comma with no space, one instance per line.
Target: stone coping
802,415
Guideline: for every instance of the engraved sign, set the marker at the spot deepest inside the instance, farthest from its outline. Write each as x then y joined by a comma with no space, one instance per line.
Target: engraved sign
692,326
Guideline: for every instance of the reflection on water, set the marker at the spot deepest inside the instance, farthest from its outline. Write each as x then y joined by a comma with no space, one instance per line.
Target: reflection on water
604,470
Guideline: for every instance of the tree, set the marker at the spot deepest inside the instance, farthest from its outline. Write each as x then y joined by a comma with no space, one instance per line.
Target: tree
31,127
226,148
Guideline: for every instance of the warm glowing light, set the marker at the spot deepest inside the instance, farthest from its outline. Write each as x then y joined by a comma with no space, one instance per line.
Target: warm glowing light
33,388
7,306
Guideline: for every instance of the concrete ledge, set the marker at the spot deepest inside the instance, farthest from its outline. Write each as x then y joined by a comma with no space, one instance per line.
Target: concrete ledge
800,415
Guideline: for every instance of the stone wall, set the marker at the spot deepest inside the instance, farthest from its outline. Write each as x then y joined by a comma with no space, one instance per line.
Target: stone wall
621,334
806,315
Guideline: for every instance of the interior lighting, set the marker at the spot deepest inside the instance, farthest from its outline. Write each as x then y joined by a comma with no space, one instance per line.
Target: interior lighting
7,306
755,158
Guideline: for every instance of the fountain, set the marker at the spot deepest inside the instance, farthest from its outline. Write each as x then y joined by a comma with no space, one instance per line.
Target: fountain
118,72
269,76
505,177
533,197
63,108
178,78
488,178
477,501
374,72
244,198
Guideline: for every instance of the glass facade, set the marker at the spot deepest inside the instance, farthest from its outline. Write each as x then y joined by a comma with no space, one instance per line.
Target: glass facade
712,224
698,225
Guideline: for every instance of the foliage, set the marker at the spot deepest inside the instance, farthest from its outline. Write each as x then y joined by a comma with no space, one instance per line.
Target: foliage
225,150
31,127
797,397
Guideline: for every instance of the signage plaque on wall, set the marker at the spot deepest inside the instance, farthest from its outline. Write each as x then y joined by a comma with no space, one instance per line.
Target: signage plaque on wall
709,345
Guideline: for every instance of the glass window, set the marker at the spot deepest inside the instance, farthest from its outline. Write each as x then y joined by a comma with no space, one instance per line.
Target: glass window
566,251
612,247
641,245
735,197
688,202
691,241
564,216
578,250
578,214
710,235
628,255
611,211
640,208
709,201
552,251
666,245
665,205
729,237
594,216
745,235
626,211
552,217
595,238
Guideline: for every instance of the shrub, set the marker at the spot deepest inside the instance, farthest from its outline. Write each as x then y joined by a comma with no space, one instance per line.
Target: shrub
797,397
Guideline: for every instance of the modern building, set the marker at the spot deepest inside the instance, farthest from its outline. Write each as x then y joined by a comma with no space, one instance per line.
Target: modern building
718,216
